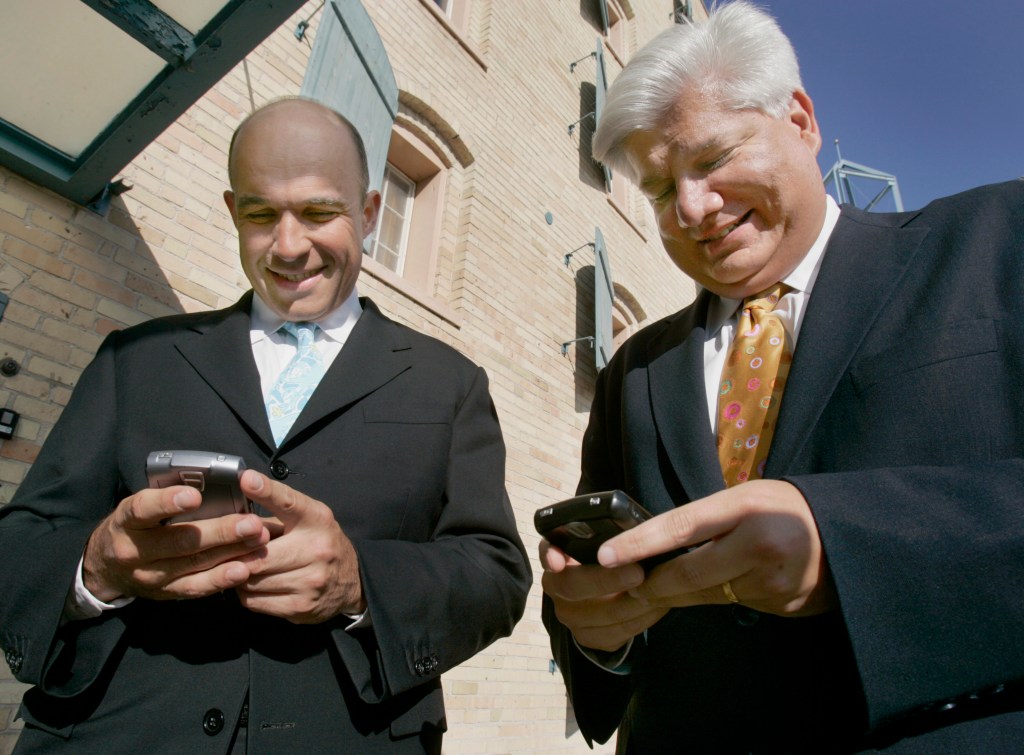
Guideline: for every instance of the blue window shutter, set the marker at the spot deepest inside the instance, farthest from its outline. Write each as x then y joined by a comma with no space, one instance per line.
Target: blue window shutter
349,71
603,296
601,89
603,6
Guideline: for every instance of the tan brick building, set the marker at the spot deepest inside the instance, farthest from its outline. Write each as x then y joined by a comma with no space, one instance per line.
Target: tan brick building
501,191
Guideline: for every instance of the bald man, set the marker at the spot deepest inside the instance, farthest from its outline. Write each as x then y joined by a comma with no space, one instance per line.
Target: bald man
321,621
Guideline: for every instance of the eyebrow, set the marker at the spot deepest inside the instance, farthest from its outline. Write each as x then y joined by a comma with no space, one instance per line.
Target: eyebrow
711,144
254,200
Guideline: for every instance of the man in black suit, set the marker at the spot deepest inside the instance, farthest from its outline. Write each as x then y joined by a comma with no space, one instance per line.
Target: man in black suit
861,590
384,550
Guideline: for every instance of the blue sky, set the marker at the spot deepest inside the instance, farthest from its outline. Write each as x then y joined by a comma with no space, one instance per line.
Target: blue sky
931,91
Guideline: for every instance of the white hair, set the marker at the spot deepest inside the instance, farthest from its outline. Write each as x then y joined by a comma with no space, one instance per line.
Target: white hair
738,56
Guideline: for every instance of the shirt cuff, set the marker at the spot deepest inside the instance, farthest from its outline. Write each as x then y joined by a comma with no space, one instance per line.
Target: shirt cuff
614,662
359,620
82,604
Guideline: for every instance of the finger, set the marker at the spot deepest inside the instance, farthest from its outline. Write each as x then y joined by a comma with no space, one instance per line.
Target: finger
295,608
204,560
225,576
684,526
288,504
553,559
696,578
578,582
149,507
611,638
240,532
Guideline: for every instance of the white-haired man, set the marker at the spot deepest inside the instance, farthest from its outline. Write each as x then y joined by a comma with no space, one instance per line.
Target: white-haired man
857,588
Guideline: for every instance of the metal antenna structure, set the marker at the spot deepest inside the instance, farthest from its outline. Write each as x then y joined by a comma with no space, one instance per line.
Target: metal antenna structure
841,177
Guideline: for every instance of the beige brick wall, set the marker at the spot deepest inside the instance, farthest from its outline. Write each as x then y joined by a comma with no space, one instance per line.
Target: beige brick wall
502,294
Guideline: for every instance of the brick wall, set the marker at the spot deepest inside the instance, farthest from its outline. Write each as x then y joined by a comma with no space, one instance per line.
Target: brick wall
501,83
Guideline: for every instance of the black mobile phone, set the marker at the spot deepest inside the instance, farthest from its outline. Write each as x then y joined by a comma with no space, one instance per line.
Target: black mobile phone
214,475
579,525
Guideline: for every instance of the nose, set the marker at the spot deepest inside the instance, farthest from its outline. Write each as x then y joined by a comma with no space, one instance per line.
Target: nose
290,237
695,200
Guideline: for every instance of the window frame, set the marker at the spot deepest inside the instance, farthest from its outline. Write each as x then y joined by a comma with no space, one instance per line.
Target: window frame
408,211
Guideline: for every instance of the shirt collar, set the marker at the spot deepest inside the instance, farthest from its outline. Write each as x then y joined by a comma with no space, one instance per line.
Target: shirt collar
336,325
801,279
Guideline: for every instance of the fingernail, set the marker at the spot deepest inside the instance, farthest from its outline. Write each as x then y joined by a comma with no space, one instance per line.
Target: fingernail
256,481
182,499
632,577
606,556
248,528
237,573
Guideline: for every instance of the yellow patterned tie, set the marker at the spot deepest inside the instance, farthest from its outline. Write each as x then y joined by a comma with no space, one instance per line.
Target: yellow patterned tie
751,389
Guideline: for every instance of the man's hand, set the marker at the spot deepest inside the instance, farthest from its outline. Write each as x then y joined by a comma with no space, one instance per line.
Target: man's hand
759,536
130,554
309,572
594,602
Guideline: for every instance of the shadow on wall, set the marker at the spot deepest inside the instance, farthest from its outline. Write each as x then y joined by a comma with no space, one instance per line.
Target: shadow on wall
582,352
590,172
72,276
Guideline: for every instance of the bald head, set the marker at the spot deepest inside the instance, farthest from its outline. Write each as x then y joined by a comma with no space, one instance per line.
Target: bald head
295,118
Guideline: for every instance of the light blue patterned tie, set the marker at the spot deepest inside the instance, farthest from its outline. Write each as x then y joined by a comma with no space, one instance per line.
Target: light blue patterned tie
297,381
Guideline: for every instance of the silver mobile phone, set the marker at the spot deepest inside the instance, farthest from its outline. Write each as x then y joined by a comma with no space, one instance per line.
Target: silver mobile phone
214,475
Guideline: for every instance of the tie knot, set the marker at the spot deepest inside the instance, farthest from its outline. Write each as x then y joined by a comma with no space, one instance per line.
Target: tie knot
303,332
767,299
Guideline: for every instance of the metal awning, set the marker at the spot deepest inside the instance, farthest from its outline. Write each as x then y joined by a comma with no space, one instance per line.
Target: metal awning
88,84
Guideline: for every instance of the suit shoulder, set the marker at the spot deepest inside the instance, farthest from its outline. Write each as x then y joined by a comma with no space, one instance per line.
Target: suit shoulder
171,324
426,347
1007,197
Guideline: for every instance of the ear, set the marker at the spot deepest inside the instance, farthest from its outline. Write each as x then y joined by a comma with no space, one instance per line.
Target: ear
371,209
229,200
801,115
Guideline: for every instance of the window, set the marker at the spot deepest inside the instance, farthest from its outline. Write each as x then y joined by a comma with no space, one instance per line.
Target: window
616,32
392,233
455,12
404,249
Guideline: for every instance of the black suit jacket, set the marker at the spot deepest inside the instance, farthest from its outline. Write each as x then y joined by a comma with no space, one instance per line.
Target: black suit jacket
400,439
903,426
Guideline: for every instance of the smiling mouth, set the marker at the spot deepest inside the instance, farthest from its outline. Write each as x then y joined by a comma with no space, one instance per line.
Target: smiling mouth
727,230
297,277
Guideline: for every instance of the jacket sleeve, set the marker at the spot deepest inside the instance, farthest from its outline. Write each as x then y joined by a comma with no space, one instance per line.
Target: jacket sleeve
929,567
599,697
436,603
70,488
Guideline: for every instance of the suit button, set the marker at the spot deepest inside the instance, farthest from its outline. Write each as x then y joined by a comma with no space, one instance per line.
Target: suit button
279,469
213,721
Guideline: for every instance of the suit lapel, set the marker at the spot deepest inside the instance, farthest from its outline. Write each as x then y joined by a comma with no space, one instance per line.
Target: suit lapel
863,265
219,349
376,351
676,379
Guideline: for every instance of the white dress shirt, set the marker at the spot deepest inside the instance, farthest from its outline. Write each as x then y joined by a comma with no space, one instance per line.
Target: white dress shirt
272,349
